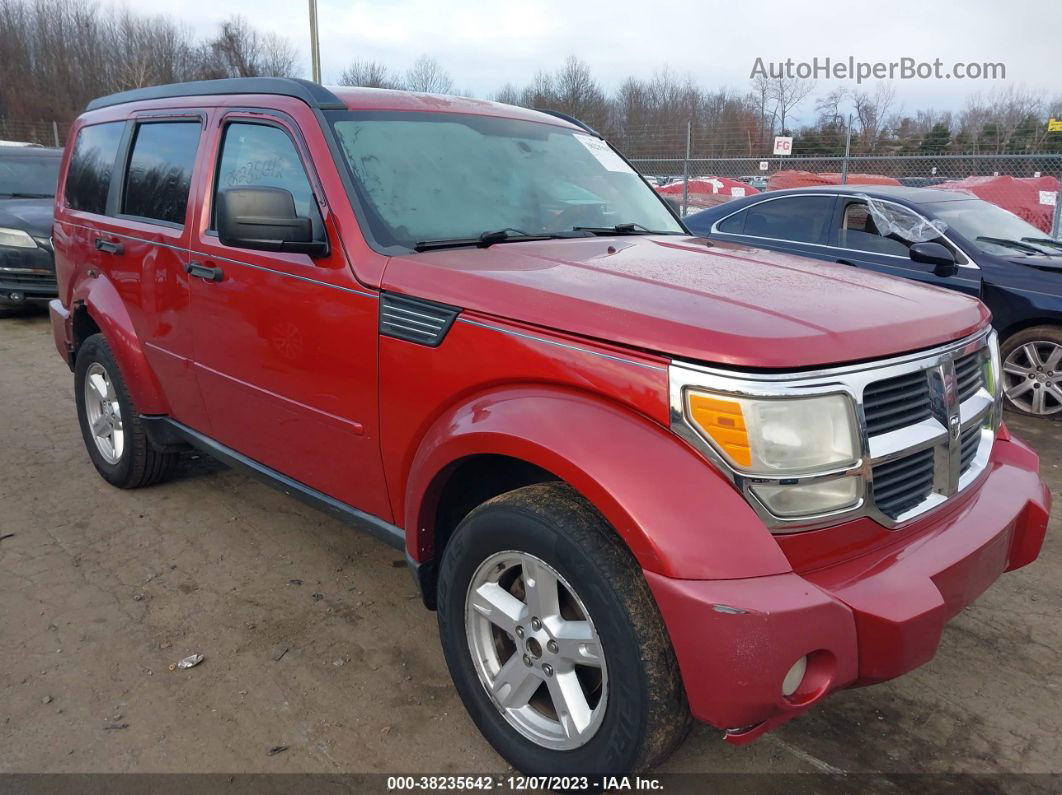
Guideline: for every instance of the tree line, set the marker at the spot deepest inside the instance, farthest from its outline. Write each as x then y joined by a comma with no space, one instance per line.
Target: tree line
59,54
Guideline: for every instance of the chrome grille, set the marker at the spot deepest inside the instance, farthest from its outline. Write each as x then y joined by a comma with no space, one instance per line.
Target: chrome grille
926,422
895,402
969,376
903,483
968,444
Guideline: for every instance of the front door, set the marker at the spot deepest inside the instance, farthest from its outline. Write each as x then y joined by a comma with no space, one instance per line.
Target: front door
857,240
286,345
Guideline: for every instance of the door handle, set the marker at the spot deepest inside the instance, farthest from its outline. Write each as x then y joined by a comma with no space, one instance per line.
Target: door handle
205,272
109,246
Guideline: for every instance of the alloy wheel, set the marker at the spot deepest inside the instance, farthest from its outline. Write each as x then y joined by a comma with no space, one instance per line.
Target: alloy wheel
536,650
104,413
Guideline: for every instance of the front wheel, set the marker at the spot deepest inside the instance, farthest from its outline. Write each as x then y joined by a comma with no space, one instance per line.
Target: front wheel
554,641
1032,371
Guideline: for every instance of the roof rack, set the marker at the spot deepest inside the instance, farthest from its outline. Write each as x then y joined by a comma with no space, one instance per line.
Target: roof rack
580,124
313,94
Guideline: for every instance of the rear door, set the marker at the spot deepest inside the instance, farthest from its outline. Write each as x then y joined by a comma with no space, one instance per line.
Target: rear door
794,224
129,184
286,345
856,240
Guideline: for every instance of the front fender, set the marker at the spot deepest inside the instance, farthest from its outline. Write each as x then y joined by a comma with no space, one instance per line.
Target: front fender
100,298
677,514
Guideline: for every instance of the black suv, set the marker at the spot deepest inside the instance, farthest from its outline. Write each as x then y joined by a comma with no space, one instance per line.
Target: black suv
28,175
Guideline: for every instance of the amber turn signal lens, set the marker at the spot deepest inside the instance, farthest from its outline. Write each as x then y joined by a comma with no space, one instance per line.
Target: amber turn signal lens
724,422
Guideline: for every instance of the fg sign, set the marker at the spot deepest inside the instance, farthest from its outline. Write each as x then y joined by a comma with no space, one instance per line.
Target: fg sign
783,145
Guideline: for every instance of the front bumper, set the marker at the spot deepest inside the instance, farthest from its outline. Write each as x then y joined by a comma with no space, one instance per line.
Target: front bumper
863,620
26,275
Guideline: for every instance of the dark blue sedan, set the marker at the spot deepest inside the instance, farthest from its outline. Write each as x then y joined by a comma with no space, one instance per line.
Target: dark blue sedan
940,237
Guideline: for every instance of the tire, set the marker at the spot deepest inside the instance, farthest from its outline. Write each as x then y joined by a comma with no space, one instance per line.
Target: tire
637,705
125,458
1032,371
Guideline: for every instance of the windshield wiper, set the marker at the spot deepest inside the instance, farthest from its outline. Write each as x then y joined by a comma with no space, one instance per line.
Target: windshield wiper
20,195
486,239
1043,241
622,229
1002,241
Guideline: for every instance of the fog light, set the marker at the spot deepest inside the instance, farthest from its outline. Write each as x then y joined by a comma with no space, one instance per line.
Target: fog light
794,677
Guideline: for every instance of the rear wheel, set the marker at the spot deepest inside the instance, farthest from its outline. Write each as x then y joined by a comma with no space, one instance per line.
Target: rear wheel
553,639
110,424
1032,371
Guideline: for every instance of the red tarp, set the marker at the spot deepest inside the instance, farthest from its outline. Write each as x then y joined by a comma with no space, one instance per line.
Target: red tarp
709,191
781,180
1029,198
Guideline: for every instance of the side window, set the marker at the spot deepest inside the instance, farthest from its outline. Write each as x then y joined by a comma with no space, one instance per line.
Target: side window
160,170
89,176
858,231
801,219
262,155
733,225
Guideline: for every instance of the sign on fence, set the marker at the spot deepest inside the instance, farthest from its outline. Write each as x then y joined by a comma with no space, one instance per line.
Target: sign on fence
783,145
763,165
1054,125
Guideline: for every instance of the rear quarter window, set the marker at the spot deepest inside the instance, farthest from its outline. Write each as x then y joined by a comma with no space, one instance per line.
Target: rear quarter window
88,177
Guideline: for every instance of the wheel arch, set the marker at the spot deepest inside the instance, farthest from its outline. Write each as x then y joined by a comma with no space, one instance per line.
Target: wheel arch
674,512
100,309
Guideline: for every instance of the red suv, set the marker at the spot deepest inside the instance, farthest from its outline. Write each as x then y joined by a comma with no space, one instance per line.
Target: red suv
639,475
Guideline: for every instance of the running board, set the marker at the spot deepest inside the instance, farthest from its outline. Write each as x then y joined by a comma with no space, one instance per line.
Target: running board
166,433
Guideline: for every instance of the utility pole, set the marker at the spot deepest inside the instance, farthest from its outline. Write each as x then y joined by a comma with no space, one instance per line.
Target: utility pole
686,170
315,44
847,150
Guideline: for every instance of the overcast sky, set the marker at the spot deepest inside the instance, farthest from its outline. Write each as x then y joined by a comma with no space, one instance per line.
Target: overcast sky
485,44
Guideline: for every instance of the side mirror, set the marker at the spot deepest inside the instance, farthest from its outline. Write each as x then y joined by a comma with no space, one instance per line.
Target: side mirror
264,219
937,255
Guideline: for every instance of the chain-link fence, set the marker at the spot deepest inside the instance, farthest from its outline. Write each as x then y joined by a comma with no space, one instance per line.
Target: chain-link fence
1025,183
43,133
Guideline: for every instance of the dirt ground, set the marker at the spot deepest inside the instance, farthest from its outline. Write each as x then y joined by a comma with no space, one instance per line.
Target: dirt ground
315,639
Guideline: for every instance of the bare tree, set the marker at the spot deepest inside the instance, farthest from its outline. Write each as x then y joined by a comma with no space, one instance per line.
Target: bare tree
871,110
239,50
369,74
787,93
507,94
428,75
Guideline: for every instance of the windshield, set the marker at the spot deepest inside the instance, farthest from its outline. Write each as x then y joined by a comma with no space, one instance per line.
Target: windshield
993,229
436,177
27,175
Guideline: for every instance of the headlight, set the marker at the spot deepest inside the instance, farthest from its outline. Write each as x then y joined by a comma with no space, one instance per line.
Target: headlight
16,238
779,443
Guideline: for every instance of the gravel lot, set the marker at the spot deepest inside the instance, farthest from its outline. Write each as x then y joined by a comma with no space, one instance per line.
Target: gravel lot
315,639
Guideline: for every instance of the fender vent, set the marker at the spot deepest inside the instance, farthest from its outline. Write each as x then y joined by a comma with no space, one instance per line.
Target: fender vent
415,320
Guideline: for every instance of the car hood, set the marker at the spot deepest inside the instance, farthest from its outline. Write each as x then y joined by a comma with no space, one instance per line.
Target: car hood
686,297
1040,263
30,215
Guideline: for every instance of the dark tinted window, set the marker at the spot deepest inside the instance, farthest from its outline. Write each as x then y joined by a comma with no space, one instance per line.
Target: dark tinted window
160,170
28,175
260,155
735,224
89,177
801,219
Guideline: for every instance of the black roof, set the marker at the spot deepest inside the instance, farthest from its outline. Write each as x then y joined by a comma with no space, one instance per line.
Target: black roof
901,192
313,94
